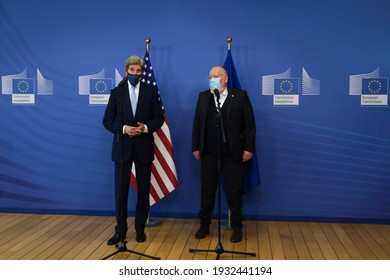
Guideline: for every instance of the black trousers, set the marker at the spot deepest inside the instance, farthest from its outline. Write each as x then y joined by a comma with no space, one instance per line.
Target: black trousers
232,172
143,172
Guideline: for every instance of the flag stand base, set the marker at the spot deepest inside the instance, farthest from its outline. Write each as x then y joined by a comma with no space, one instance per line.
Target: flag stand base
153,223
225,224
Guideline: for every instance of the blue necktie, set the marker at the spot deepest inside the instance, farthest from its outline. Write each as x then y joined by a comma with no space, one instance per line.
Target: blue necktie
133,100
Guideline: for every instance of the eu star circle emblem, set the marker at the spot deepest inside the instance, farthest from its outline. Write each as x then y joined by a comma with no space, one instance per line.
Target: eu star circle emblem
100,86
286,86
374,86
23,86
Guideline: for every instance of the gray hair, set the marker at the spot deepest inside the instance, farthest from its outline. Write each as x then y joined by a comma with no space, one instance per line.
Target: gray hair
134,60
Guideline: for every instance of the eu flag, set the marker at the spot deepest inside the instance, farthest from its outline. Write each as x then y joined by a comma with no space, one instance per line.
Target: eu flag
286,86
24,86
374,86
251,167
100,86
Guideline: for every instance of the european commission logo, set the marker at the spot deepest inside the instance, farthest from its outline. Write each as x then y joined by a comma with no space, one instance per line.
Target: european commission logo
372,88
285,89
286,86
23,89
23,86
98,87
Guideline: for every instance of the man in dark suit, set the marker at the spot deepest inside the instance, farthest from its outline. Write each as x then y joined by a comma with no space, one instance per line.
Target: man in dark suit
207,145
133,113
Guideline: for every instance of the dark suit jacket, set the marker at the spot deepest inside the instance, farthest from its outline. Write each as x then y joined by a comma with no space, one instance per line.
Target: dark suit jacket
240,126
149,112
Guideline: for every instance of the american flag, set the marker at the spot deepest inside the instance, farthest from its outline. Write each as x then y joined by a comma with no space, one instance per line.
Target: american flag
164,177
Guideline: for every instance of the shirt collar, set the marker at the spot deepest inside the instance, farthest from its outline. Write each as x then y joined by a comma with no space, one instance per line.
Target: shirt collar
225,92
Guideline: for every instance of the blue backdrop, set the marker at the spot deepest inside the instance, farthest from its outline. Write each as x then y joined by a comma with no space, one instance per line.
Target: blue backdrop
326,158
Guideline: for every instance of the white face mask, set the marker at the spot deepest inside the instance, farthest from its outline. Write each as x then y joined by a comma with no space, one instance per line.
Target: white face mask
214,83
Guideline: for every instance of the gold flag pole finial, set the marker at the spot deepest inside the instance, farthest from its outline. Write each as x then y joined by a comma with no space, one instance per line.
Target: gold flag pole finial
229,40
147,41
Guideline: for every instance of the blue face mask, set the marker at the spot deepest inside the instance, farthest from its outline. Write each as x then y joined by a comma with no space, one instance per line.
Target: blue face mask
214,83
133,79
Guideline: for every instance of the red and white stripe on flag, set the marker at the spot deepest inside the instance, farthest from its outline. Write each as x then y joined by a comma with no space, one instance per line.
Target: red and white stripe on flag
164,178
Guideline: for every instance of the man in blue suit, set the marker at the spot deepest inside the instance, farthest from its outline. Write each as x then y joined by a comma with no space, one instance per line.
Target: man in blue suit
133,113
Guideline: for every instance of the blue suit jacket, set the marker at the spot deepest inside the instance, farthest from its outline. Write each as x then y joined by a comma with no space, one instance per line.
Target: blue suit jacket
149,112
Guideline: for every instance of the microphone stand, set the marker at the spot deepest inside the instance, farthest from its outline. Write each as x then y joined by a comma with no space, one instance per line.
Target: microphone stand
219,248
121,247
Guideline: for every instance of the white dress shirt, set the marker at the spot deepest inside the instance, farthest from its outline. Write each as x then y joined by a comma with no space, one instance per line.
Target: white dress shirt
136,90
222,97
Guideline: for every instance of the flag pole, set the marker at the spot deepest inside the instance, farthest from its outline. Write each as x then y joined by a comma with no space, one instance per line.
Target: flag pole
227,225
150,222
147,42
229,40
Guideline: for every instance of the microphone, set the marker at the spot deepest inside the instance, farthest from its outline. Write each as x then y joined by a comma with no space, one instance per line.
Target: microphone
216,93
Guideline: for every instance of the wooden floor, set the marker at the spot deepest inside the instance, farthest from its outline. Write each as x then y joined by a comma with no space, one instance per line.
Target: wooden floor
68,237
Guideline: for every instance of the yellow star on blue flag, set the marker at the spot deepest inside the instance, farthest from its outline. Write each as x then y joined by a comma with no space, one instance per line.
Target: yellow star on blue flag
23,86
100,86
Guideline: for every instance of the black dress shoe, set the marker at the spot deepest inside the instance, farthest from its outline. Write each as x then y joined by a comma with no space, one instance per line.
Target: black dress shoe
114,239
202,232
236,235
140,236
